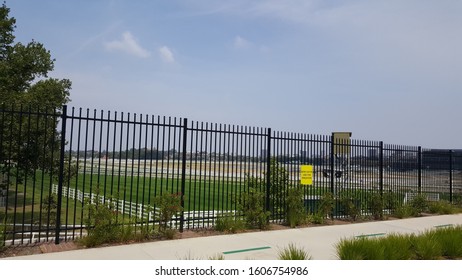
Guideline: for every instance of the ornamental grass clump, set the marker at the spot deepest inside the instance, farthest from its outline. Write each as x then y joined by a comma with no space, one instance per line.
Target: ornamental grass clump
292,252
441,243
450,239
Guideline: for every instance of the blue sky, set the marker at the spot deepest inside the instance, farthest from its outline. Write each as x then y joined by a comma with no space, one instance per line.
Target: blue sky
384,70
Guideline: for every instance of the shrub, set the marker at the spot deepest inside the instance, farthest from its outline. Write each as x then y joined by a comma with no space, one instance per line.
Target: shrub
279,182
404,211
350,203
145,229
49,209
295,212
419,204
252,206
291,252
441,207
326,206
414,208
376,205
390,201
457,200
102,222
229,223
316,218
350,208
169,205
324,210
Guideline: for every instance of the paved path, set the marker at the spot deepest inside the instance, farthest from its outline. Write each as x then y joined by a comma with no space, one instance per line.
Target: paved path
318,241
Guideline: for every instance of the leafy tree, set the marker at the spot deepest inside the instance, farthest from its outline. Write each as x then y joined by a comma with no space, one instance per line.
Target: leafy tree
21,65
27,140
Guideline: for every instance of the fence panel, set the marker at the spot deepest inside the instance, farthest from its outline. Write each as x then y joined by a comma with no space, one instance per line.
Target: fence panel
437,172
219,162
401,174
289,151
457,177
29,151
130,160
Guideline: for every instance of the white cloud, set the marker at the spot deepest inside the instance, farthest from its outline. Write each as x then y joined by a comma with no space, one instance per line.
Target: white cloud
166,54
129,45
241,43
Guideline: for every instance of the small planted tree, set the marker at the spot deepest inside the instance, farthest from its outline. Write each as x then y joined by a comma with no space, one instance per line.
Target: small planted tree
350,204
419,204
251,205
327,203
376,204
295,209
49,209
168,205
102,222
279,184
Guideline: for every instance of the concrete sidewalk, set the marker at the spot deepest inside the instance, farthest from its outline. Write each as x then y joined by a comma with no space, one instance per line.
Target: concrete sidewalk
319,242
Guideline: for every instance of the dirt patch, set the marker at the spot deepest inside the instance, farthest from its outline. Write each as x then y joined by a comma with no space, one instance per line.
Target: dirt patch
37,248
20,250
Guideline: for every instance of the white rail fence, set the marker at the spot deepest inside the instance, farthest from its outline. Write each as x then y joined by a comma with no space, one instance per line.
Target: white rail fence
132,209
142,211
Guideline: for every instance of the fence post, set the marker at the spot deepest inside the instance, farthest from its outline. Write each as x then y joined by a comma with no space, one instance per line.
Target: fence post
268,170
450,175
183,171
61,173
332,171
381,168
419,174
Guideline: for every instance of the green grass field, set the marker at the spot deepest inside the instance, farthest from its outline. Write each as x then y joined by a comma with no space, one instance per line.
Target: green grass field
26,200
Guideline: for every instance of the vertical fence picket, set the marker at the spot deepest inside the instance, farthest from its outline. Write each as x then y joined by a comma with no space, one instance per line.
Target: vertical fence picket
61,173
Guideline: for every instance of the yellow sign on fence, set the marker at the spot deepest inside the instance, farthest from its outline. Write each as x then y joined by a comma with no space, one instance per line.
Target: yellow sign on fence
306,174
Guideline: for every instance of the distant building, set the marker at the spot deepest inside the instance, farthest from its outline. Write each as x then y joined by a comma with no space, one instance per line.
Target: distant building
438,159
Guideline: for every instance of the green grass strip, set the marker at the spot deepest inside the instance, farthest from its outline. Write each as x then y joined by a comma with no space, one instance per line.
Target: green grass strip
370,235
443,226
246,250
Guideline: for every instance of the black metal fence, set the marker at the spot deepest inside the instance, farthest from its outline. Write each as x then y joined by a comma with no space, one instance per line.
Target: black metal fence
53,163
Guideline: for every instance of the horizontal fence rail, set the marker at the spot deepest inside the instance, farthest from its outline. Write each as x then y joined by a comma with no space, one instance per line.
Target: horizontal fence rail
54,164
